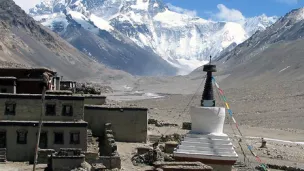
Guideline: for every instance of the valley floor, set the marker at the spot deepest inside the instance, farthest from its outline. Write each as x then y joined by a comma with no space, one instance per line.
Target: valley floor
275,114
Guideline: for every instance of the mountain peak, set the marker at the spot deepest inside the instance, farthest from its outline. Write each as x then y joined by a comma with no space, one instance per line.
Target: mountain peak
180,39
295,15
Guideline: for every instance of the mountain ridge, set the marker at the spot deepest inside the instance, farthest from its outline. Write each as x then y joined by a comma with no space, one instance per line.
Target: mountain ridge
26,43
267,57
183,41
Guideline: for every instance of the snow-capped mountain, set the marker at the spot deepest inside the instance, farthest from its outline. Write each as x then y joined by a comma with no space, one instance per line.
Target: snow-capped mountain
272,57
184,41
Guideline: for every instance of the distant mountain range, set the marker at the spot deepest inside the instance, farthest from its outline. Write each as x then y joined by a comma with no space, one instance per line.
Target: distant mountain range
143,37
26,43
267,57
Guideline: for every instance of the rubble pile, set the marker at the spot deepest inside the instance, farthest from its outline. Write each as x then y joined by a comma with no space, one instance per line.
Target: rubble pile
160,124
277,167
173,137
148,155
90,88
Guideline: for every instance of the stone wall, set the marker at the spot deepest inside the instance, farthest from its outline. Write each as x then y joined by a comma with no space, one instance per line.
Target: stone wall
25,152
111,162
94,100
43,155
28,107
67,163
128,124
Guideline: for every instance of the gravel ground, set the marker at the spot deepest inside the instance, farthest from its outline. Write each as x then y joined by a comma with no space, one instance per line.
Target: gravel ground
274,112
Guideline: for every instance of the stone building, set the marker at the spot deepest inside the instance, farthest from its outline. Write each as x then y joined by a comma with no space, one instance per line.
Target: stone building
68,85
129,124
66,118
63,124
23,80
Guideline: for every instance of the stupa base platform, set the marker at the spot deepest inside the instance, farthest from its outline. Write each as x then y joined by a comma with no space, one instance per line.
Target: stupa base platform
215,150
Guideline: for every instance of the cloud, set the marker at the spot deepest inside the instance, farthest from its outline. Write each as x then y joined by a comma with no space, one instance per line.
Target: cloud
192,13
227,14
26,4
289,2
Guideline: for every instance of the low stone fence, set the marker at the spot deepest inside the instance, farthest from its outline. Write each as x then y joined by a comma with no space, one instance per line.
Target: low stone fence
43,155
66,159
111,162
91,157
67,163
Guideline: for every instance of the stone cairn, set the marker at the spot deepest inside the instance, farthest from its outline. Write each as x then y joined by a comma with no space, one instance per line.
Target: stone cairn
110,146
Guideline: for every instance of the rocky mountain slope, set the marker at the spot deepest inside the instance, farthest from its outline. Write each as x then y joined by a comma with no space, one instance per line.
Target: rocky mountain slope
182,40
268,57
24,42
95,37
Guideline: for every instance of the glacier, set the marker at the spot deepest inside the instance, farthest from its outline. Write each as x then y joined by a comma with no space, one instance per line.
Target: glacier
184,41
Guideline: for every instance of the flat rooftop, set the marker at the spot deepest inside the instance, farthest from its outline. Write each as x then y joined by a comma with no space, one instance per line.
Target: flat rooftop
8,78
113,107
38,96
44,123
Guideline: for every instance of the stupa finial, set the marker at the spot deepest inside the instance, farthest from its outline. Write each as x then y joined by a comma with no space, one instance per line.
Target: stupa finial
208,98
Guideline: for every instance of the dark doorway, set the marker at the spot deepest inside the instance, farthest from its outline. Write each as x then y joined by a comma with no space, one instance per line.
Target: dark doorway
43,140
2,139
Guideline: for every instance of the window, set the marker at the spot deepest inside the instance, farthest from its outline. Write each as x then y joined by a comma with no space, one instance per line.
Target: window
43,139
74,138
3,90
67,110
10,108
50,110
21,137
58,138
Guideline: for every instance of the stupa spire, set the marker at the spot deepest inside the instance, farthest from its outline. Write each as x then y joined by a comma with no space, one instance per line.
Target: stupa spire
208,97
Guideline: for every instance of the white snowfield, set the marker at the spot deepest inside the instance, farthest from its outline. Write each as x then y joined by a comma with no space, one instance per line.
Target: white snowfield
184,41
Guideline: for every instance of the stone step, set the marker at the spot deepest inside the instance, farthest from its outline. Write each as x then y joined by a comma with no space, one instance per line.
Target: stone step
207,136
215,153
206,144
227,148
205,140
195,154
2,158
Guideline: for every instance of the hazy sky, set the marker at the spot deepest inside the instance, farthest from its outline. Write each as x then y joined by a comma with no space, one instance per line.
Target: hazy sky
235,8
26,4
229,10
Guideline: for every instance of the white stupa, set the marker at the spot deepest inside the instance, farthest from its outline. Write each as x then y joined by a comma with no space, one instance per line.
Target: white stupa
206,141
